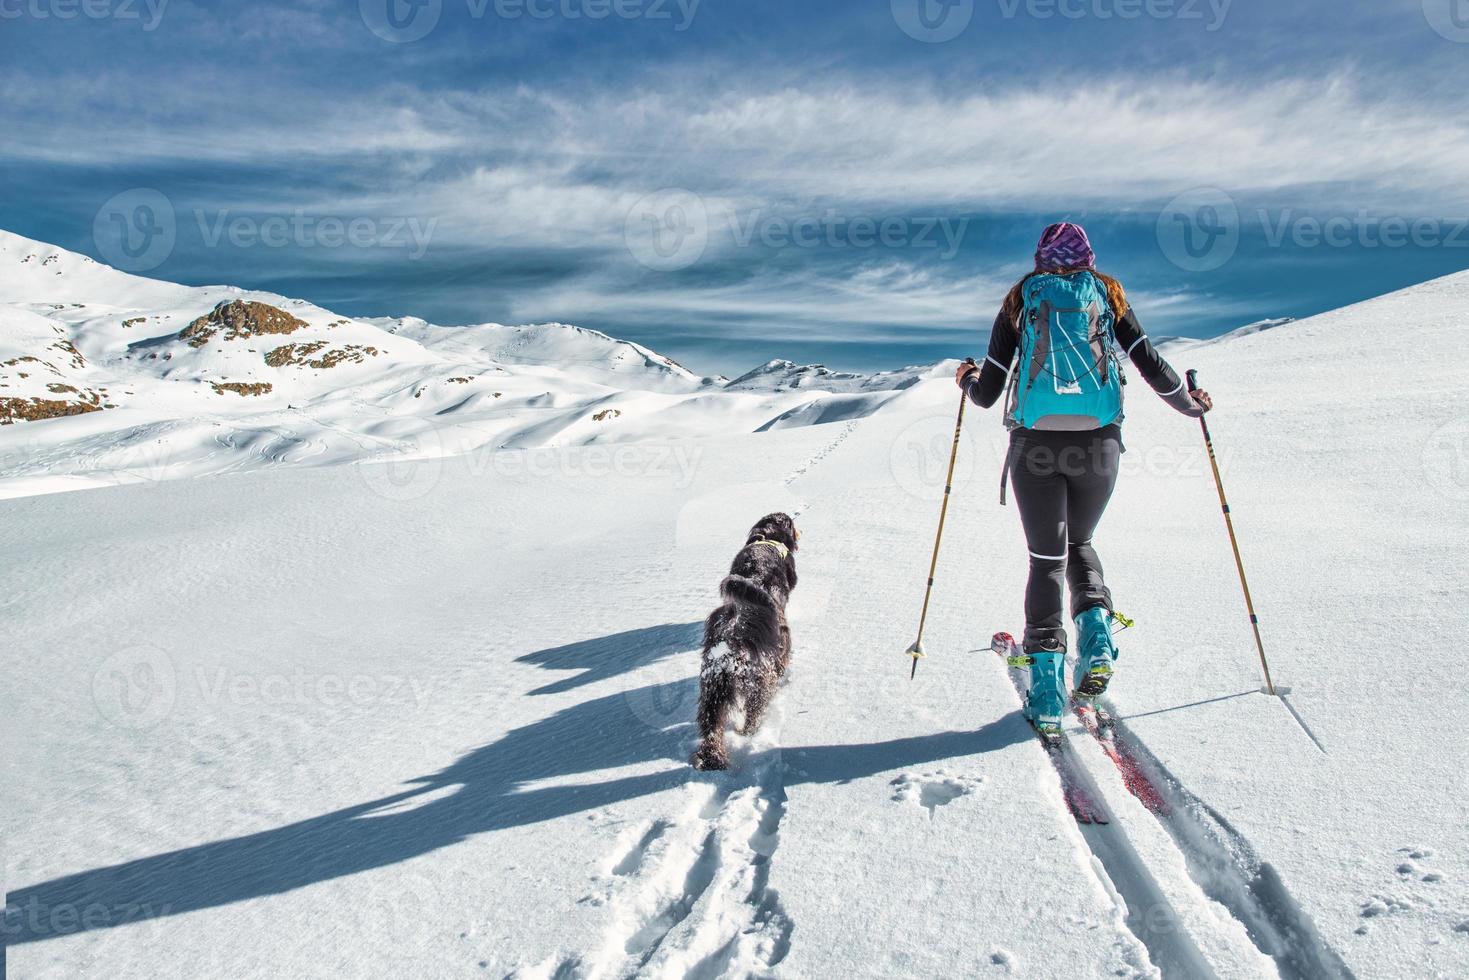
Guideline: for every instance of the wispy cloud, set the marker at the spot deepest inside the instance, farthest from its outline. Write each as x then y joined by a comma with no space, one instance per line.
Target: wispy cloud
521,153
817,305
512,175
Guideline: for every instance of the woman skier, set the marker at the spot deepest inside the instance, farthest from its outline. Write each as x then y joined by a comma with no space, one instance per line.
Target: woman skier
1066,327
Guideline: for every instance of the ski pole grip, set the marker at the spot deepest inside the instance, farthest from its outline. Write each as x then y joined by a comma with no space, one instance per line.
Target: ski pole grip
1193,379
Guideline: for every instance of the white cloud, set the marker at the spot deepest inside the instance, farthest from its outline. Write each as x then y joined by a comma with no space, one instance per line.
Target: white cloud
1132,142
867,303
525,169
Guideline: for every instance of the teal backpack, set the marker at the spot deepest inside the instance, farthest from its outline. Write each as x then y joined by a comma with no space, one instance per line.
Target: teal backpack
1068,374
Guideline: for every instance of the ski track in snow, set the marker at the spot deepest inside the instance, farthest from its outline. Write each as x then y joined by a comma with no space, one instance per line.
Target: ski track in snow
1224,865
694,897
1220,862
1122,872
691,896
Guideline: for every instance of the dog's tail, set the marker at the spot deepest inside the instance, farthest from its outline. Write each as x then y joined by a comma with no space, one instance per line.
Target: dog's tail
737,588
748,624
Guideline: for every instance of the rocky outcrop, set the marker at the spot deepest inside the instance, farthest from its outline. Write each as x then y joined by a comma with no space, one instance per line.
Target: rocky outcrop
238,319
34,409
243,388
72,401
305,355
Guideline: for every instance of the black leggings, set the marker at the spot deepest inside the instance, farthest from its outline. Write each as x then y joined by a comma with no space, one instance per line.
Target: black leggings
1062,483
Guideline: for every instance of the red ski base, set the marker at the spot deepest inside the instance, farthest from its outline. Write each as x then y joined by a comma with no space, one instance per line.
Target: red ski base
1099,723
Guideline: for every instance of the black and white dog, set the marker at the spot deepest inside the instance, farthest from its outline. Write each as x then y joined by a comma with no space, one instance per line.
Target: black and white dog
747,644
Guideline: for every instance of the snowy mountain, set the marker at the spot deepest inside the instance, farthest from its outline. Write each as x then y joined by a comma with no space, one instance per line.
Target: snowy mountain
431,718
586,353
780,374
169,381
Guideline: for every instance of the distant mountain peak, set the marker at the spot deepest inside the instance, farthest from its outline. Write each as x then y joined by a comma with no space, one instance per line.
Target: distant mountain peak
780,373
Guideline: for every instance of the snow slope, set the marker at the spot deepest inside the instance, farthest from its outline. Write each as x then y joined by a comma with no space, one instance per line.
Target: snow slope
429,718
332,389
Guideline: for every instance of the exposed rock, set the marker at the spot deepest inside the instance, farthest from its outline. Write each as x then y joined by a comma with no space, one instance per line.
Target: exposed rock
292,353
239,319
77,361
242,388
606,415
34,409
304,355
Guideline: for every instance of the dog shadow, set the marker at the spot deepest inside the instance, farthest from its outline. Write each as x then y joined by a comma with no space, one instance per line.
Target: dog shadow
851,762
608,656
497,786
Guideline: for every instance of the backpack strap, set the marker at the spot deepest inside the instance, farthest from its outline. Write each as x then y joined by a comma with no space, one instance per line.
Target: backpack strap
1005,471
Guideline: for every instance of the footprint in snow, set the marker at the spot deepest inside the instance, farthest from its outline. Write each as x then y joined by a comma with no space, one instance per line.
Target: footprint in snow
1408,869
932,790
632,858
1380,905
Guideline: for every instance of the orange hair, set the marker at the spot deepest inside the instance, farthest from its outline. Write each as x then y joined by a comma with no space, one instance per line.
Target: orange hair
1116,295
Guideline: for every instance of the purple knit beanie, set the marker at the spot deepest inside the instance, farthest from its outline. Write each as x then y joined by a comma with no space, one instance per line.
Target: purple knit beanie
1064,246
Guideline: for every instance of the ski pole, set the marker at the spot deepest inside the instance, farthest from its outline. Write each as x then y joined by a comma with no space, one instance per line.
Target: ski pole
916,651
1193,385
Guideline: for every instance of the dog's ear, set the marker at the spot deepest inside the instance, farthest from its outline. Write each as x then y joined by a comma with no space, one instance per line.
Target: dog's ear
794,533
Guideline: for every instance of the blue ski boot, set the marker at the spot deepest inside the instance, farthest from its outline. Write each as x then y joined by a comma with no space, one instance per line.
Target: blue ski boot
1046,703
1097,651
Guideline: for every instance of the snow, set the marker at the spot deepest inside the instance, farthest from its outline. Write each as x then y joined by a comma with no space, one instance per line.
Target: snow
429,717
350,390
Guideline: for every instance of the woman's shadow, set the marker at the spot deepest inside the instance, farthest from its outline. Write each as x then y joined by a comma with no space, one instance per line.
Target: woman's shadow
497,786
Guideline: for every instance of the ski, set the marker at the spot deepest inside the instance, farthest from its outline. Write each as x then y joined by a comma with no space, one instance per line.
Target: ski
1083,803
1097,719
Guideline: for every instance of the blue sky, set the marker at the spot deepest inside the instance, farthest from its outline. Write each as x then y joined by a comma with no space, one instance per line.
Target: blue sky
847,181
